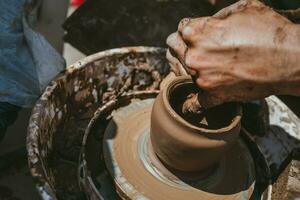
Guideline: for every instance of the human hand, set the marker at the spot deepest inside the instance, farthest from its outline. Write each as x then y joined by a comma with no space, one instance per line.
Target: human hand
246,51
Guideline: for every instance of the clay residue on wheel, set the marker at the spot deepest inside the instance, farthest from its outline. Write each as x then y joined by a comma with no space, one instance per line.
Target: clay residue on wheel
61,115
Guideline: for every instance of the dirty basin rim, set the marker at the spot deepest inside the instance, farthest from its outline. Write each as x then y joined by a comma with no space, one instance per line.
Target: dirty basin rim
36,158
180,80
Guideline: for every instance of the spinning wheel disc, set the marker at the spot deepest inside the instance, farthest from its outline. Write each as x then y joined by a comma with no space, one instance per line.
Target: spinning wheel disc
138,173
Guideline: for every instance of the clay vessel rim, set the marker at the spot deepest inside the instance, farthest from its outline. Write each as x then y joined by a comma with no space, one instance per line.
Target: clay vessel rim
187,79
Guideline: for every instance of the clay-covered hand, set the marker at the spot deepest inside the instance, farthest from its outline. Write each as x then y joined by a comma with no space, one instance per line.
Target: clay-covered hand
176,69
246,51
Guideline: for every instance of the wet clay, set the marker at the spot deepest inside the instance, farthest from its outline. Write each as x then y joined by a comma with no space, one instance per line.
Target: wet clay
192,104
138,174
213,118
194,143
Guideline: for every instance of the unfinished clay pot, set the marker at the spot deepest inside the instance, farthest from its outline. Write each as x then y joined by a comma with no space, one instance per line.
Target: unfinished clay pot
190,145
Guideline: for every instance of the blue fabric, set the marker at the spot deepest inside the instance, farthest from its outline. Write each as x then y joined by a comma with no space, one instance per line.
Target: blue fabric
27,61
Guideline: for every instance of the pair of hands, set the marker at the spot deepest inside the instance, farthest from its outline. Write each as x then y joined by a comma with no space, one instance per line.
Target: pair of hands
244,52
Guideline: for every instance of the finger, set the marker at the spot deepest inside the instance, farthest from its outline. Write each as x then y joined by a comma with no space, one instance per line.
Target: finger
238,7
190,31
177,45
183,23
208,99
184,69
187,69
179,49
175,65
213,81
197,58
167,80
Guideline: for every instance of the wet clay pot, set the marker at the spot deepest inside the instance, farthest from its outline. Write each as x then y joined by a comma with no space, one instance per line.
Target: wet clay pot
185,144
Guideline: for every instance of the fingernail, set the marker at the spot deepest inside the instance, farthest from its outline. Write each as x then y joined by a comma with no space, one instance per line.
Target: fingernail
183,23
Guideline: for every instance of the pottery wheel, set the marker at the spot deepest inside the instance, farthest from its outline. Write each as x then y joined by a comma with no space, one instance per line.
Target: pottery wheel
138,174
